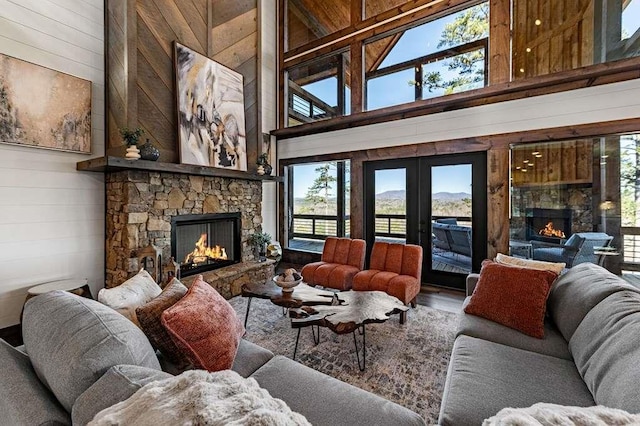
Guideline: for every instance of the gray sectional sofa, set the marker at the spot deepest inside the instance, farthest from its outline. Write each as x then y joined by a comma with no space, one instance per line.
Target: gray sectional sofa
590,354
80,357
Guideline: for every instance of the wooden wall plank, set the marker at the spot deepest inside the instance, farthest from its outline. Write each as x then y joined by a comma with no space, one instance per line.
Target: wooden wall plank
499,53
226,35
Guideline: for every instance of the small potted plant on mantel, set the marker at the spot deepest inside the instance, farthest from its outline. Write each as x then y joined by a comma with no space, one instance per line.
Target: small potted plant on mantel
259,241
131,138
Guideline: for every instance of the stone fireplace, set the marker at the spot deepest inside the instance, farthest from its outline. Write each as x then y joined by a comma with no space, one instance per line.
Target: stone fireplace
142,205
548,225
204,242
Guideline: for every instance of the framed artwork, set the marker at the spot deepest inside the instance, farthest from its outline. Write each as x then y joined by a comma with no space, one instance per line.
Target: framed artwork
210,104
43,108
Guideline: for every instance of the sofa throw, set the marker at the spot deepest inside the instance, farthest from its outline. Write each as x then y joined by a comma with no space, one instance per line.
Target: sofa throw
200,397
552,414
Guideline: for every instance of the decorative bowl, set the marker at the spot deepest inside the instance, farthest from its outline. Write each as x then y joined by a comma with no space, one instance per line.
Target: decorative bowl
287,286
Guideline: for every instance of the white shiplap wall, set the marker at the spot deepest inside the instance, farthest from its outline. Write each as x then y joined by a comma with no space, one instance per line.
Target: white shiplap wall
268,111
51,216
590,105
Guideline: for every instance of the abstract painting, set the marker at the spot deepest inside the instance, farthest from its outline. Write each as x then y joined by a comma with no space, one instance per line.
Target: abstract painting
211,127
43,108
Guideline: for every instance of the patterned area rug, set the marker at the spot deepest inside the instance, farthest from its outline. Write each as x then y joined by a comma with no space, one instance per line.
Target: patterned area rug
406,363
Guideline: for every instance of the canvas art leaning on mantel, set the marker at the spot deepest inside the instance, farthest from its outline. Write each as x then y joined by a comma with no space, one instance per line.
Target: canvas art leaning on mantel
211,127
43,108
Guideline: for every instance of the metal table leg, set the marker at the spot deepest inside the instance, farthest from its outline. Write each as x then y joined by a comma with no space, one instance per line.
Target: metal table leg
316,339
295,350
246,315
362,365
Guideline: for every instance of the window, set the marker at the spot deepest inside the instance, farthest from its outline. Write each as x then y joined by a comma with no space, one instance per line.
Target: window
587,186
318,90
319,199
437,58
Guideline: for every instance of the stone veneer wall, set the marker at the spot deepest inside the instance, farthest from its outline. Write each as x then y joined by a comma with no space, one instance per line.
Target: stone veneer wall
140,206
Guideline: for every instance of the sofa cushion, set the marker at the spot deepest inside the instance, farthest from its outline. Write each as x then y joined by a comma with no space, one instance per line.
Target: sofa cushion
485,377
553,344
324,400
577,291
531,264
606,351
249,358
116,385
25,400
134,292
205,327
72,341
149,316
514,297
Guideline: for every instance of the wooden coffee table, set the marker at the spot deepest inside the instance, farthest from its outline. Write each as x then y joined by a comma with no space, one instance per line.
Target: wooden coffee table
357,308
302,295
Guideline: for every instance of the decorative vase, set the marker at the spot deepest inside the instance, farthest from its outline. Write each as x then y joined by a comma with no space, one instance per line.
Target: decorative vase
149,152
133,153
268,169
260,170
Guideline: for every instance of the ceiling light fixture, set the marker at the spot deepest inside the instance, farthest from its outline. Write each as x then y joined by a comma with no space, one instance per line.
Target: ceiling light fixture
528,50
538,22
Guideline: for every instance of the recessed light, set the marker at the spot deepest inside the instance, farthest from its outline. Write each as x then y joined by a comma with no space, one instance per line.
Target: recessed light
524,170
539,156
518,167
525,161
538,22
521,69
535,153
528,50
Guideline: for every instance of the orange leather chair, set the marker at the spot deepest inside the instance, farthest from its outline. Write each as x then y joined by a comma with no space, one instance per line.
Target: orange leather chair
342,258
395,269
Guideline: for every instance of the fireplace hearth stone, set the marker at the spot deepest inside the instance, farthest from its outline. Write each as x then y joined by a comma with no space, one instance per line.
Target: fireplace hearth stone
229,280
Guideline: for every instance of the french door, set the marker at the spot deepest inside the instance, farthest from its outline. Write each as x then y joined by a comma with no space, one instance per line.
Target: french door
437,202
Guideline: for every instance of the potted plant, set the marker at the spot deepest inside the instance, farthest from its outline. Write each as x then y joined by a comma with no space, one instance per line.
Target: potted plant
259,241
264,168
131,138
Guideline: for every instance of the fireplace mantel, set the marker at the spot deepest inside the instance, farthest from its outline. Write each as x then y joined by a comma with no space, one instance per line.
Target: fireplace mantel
117,164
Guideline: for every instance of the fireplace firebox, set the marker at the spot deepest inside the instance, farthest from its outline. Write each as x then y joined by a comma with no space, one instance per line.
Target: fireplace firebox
205,241
548,225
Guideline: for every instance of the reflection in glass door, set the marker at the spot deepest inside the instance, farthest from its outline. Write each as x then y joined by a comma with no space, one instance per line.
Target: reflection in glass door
451,218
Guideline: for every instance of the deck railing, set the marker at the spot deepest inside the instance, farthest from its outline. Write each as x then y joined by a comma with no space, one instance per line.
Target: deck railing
630,248
319,227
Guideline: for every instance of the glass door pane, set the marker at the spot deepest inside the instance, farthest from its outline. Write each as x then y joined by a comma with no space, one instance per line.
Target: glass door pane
390,206
451,218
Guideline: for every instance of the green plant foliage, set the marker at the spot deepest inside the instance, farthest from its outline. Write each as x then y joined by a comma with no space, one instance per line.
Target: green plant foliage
131,137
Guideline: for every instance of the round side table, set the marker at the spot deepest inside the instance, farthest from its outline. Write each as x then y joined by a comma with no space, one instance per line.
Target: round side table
75,286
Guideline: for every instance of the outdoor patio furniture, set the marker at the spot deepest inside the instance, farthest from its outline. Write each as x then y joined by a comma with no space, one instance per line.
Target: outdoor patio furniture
578,248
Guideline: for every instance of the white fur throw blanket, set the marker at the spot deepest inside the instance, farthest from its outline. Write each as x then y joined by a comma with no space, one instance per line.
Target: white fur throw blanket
198,397
560,415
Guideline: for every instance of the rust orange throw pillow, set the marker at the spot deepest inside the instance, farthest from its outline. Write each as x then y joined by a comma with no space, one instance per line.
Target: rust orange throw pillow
512,296
204,326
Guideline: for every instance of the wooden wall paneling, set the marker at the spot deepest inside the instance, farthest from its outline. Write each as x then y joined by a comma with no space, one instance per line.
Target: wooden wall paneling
498,200
122,68
233,29
584,154
499,53
568,163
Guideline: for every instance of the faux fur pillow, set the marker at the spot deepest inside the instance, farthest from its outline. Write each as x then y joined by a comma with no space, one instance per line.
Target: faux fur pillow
204,326
149,315
531,264
134,292
511,296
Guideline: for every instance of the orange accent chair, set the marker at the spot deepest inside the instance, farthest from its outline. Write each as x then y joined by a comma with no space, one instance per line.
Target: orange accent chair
342,258
394,269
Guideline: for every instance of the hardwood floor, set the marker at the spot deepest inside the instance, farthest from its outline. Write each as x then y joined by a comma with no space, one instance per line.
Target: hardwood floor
441,298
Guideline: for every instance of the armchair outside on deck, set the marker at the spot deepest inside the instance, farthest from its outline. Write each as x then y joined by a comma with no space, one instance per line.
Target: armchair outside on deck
578,248
342,259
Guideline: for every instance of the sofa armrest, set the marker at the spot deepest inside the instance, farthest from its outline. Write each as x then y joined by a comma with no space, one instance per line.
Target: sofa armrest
472,280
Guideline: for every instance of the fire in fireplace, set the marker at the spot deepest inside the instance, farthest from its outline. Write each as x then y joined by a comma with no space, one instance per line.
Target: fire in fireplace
205,242
550,231
549,225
